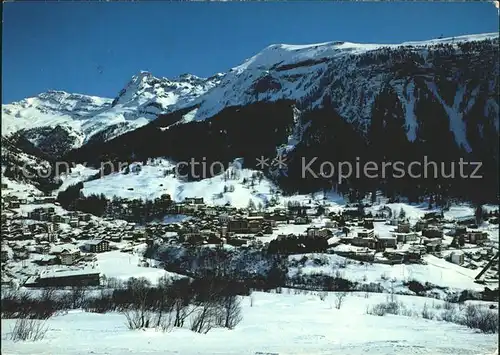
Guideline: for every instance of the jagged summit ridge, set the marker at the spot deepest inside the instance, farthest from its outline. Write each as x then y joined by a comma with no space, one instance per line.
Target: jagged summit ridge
142,99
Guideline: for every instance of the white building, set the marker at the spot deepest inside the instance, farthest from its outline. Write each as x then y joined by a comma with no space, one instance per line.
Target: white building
457,257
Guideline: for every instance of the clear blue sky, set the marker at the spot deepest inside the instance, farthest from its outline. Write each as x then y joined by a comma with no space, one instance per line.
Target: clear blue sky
95,48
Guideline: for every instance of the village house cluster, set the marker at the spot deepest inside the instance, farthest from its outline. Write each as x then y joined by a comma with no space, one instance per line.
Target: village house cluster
37,230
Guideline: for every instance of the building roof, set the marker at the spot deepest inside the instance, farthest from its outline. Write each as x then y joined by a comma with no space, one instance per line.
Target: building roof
67,273
94,242
255,217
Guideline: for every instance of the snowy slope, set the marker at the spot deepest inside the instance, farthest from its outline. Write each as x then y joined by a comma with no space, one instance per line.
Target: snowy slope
435,271
152,182
275,324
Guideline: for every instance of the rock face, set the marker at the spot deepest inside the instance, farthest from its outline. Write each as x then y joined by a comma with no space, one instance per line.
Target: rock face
334,101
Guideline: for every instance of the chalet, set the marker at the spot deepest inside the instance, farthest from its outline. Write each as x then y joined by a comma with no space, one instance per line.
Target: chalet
386,242
238,226
56,218
46,260
10,198
405,237
421,225
74,222
97,246
45,199
85,217
267,229
403,227
14,204
432,245
255,214
4,255
194,200
277,217
317,232
433,215
26,235
394,221
41,248
465,220
193,238
432,232
457,257
116,238
350,213
367,242
255,223
459,230
301,220
297,210
368,223
212,212
476,237
415,252
68,257
365,233
396,256
270,222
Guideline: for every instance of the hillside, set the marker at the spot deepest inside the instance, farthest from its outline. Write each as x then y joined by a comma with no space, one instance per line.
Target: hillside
333,102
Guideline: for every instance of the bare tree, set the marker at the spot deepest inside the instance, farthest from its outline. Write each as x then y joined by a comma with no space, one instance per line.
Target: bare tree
231,307
48,294
163,306
179,297
209,310
138,312
26,329
206,315
339,299
77,297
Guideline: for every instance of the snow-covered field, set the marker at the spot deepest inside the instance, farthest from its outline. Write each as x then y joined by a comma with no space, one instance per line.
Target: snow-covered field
274,324
122,266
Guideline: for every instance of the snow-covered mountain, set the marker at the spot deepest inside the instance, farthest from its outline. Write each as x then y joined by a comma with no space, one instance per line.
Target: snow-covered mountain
336,101
348,75
351,75
76,119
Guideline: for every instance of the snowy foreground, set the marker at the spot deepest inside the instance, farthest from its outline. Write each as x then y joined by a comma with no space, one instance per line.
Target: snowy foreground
272,324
